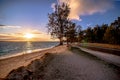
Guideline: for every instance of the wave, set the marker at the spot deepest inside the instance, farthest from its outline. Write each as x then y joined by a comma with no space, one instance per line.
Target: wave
8,50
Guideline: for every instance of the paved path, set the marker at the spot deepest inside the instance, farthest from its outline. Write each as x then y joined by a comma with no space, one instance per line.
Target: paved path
114,59
68,65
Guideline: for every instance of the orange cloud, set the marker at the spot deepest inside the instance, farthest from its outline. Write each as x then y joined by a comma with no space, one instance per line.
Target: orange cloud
17,33
9,37
36,32
20,37
86,7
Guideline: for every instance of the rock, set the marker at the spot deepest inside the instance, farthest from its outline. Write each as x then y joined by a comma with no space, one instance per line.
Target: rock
35,65
34,71
19,74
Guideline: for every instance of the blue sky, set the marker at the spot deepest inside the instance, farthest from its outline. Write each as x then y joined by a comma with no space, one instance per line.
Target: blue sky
26,14
33,14
100,18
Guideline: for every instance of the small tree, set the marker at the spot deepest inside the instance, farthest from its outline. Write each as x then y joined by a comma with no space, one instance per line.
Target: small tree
112,34
58,20
80,33
109,35
89,36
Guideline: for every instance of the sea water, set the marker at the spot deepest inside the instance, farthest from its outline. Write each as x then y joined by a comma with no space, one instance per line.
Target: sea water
9,49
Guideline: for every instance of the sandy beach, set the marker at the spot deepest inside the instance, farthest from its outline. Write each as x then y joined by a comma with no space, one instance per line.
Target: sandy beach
66,65
8,64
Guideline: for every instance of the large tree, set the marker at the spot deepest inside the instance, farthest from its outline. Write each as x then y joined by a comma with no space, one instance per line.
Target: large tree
70,32
58,21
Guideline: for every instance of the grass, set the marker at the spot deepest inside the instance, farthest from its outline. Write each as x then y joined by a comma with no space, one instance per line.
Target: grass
110,46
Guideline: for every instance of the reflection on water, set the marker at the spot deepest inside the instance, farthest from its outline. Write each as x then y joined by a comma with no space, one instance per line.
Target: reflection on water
13,48
28,47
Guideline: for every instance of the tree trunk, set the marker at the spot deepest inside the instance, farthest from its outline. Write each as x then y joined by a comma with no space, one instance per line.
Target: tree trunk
61,41
67,42
61,35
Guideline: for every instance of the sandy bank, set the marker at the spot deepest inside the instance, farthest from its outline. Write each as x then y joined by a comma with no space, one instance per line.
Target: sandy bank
6,65
34,71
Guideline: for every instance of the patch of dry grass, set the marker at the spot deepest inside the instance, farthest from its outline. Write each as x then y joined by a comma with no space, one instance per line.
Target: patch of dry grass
110,46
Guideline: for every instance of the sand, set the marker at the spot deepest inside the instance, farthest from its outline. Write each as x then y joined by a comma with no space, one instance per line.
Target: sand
6,65
66,65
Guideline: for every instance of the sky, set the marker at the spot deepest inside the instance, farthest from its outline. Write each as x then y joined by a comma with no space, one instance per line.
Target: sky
20,17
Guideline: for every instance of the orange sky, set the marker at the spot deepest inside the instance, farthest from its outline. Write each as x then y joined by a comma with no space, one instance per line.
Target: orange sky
15,33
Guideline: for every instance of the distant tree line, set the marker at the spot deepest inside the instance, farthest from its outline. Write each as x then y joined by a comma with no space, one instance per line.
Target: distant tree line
102,34
59,26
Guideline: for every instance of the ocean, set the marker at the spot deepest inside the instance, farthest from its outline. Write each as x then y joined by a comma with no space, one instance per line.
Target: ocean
9,49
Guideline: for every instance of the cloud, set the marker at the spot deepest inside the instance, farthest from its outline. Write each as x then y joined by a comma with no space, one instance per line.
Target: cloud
53,6
89,24
86,7
7,37
35,31
3,35
10,27
38,36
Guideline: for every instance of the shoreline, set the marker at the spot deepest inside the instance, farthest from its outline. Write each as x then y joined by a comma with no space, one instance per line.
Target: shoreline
23,53
8,64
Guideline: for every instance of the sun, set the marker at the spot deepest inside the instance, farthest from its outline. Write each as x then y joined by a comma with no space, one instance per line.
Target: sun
29,35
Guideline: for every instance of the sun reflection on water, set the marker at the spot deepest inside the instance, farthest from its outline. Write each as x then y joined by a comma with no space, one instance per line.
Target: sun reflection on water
28,47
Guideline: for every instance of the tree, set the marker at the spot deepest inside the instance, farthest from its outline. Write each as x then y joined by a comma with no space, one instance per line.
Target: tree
109,35
80,33
70,33
58,21
116,25
102,33
89,34
97,32
118,31
112,34
103,30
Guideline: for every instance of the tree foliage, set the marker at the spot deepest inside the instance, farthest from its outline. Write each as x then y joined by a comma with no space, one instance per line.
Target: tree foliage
112,34
58,21
70,33
103,34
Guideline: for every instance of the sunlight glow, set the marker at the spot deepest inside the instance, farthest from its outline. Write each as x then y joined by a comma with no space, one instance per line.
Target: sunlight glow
28,35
